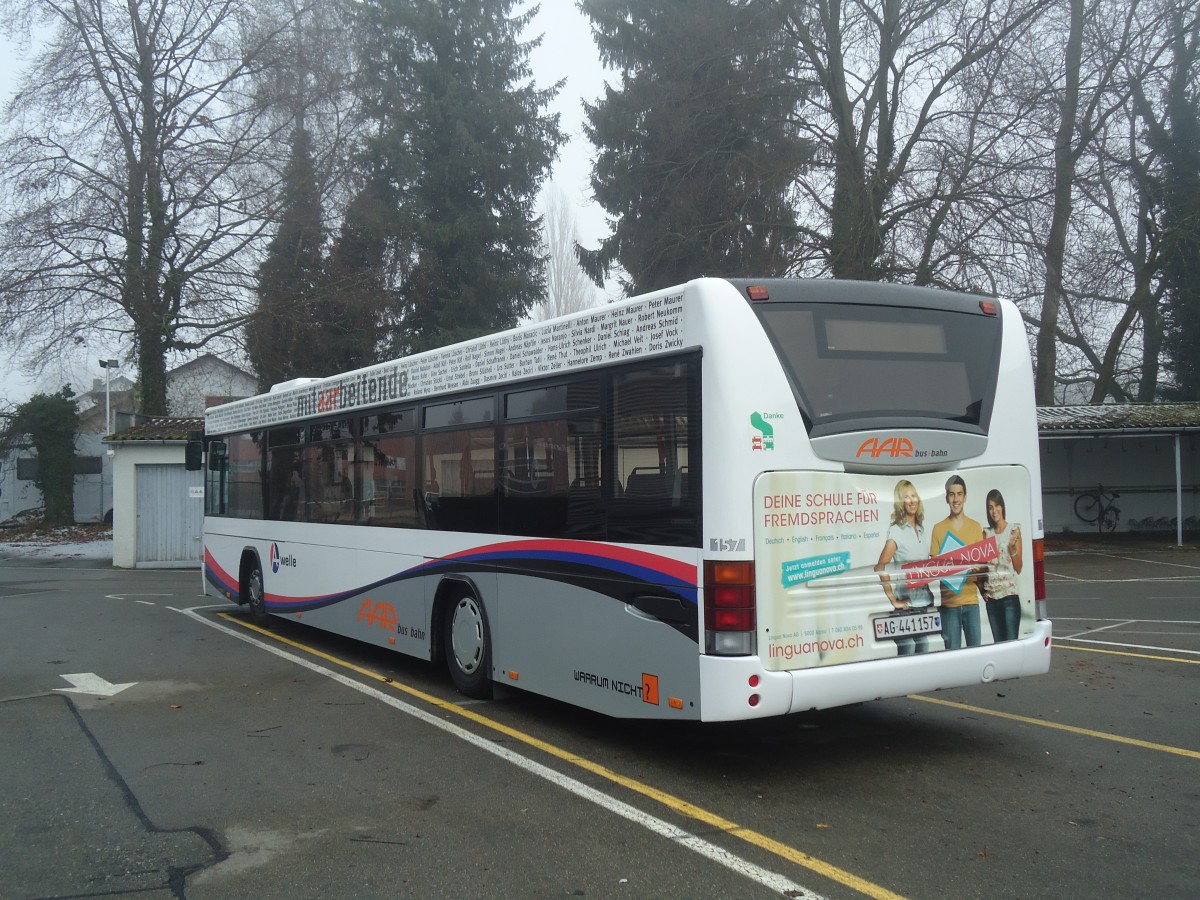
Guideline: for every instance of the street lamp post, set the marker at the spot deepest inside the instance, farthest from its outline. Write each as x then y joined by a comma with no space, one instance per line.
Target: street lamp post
108,365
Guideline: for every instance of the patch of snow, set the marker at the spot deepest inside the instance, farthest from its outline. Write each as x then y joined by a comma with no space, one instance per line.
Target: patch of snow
48,550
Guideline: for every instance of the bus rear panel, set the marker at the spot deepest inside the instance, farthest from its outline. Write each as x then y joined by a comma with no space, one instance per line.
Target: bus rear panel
864,393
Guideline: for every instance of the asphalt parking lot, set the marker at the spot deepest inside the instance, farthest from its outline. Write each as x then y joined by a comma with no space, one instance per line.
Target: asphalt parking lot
209,760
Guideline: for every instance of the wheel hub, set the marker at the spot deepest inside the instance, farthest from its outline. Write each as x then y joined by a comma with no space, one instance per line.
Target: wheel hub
466,635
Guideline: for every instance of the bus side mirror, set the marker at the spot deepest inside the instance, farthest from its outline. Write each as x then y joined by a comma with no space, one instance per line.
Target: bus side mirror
218,456
193,453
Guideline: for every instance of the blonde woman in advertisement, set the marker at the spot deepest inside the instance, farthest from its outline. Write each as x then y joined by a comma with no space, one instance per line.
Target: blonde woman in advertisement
1000,588
906,542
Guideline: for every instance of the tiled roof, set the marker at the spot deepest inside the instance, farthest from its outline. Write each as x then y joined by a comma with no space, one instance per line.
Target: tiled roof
1167,417
161,428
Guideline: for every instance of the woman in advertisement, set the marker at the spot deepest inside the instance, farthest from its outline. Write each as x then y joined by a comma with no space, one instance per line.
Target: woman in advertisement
1000,589
906,542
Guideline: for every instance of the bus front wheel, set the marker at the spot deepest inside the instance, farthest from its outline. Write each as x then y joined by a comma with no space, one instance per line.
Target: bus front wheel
467,643
256,598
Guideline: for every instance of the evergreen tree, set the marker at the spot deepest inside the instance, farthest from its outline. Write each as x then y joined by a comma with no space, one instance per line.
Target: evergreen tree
50,421
463,145
1178,143
354,294
697,144
283,337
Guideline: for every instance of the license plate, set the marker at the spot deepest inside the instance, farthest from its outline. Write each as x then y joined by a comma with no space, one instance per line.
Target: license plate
907,625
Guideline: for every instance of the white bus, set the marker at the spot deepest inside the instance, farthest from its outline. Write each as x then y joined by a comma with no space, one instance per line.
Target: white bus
695,504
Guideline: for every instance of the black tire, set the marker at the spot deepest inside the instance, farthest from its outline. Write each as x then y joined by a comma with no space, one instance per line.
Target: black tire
1087,507
1112,516
256,597
467,642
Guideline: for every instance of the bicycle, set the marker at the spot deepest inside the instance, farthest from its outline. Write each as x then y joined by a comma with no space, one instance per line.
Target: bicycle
1098,506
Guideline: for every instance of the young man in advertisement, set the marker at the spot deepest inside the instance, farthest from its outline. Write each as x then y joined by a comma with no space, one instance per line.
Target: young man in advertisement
960,593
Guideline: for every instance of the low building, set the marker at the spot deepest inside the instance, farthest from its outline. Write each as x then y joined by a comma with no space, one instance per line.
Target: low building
206,381
192,388
1146,454
158,519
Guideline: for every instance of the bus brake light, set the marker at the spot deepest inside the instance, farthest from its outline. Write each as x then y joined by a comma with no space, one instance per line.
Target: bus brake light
729,607
758,292
1039,570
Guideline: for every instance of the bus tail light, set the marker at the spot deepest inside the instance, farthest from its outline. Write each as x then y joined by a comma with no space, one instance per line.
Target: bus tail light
729,612
1039,577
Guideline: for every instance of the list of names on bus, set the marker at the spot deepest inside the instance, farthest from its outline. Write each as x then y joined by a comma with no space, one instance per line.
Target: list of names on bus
594,338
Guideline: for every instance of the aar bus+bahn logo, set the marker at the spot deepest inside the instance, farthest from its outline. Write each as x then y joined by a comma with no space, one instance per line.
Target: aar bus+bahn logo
378,613
894,447
278,559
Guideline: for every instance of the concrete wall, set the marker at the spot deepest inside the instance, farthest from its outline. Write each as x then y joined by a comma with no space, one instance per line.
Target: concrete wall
1139,467
16,495
92,493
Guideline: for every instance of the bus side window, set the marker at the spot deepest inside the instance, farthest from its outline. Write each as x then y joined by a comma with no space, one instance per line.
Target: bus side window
286,486
387,467
460,467
216,475
654,419
550,484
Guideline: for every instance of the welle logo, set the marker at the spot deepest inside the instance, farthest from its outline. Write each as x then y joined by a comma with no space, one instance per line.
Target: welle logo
278,559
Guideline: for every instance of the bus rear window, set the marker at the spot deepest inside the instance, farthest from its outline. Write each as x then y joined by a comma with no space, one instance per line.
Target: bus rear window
856,366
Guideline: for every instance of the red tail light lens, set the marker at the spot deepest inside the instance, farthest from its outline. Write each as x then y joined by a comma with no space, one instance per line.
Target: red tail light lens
729,596
1039,570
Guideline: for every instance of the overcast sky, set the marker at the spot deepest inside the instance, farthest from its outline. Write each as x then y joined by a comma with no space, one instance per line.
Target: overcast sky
567,52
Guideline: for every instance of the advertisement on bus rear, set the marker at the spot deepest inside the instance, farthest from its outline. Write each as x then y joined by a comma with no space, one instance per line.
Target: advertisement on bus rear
853,567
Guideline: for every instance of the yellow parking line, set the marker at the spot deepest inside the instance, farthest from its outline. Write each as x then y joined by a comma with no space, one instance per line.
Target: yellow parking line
1060,646
680,806
1073,729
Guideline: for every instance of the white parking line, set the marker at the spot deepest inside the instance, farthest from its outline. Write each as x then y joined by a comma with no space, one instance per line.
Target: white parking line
1166,579
1152,562
1069,637
770,880
1146,621
1075,640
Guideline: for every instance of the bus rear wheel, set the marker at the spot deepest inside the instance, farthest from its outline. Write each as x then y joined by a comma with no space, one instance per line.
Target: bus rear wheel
467,642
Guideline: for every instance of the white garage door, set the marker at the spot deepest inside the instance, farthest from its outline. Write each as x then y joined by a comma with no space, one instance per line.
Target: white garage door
170,516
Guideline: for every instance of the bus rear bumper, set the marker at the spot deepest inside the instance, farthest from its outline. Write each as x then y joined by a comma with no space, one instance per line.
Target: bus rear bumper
728,683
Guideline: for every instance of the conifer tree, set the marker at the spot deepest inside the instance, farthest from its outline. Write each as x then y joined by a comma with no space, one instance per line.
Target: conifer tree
461,138
1177,139
281,336
354,294
697,146
50,421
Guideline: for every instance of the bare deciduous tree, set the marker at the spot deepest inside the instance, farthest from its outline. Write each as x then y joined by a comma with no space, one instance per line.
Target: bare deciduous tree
568,288
132,180
1084,262
904,113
